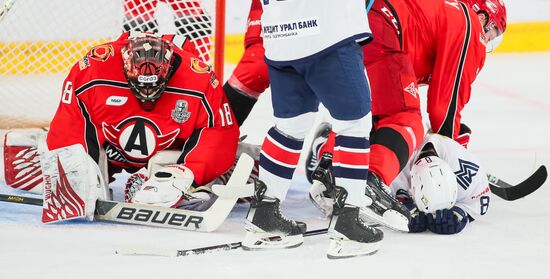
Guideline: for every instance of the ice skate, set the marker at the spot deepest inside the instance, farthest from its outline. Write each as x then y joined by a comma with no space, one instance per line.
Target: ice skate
266,227
349,235
319,138
385,209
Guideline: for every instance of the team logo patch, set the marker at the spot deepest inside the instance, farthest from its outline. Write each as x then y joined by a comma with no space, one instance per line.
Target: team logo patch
83,63
412,89
466,174
181,112
200,67
135,140
102,53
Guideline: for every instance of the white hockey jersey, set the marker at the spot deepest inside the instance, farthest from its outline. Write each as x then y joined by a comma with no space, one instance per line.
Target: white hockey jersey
473,194
296,29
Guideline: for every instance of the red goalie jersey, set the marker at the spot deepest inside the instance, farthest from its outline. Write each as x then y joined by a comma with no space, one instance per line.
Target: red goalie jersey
99,111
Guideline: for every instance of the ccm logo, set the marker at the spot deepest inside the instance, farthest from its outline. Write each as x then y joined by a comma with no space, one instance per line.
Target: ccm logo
157,217
148,79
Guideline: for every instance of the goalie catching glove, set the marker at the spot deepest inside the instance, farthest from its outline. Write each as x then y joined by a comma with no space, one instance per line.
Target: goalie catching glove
170,186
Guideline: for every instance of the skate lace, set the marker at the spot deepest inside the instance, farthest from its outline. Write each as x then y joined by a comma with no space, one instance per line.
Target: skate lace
365,226
282,217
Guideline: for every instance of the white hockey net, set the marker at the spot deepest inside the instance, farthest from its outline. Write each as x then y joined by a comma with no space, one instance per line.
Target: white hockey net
40,40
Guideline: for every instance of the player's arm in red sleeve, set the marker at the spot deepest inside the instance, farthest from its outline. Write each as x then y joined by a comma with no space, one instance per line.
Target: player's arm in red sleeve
211,149
250,77
459,57
71,123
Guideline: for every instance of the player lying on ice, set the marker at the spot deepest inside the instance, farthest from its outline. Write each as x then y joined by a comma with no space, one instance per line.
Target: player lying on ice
445,51
443,185
129,100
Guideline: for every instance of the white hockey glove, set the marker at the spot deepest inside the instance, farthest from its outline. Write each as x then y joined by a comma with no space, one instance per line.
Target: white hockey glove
170,187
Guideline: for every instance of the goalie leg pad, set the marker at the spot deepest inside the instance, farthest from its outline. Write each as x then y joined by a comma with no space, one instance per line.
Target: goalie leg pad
72,184
21,161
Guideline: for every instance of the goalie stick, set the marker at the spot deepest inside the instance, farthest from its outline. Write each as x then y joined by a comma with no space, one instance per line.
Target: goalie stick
135,251
511,192
132,213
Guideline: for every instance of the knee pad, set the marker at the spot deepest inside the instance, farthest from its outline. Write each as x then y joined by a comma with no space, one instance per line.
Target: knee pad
296,127
354,128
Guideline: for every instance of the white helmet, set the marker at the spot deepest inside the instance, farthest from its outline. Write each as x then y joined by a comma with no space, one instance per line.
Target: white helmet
433,184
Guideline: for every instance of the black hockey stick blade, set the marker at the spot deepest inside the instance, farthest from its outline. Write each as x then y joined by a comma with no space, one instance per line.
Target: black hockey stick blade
510,192
20,199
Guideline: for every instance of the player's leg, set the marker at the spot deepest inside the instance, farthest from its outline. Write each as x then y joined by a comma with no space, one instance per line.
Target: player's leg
248,80
293,107
397,119
387,210
340,82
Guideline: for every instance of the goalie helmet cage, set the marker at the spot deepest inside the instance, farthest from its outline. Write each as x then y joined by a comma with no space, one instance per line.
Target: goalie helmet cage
41,40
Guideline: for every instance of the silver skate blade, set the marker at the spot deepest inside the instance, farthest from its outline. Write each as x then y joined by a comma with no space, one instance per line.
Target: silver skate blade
255,240
342,248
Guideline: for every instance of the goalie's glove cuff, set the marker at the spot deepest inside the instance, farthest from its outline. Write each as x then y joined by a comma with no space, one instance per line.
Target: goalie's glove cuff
447,221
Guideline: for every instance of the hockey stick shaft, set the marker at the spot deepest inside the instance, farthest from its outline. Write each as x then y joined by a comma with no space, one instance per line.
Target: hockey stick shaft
195,251
20,199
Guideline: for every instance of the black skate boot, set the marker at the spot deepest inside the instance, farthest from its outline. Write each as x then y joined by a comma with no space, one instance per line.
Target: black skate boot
319,138
321,192
385,209
266,227
349,236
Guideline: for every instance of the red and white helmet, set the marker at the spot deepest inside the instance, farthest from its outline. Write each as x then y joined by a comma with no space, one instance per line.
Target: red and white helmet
495,12
147,67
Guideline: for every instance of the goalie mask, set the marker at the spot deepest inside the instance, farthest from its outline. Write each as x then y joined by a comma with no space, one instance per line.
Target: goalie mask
433,184
492,15
147,67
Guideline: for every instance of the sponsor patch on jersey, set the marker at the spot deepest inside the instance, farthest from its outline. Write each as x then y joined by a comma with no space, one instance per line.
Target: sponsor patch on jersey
292,29
200,67
181,112
116,100
83,63
102,53
148,79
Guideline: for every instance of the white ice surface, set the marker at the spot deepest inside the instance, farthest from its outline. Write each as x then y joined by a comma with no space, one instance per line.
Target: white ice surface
508,113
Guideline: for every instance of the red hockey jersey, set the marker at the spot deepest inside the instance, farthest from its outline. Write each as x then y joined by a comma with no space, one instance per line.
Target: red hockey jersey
98,110
444,40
